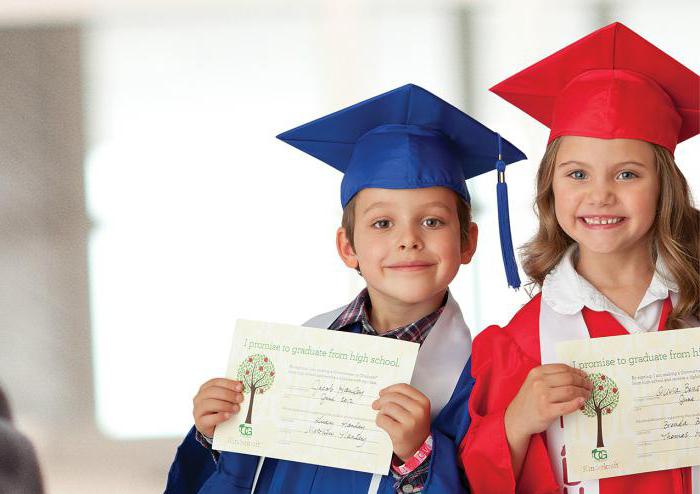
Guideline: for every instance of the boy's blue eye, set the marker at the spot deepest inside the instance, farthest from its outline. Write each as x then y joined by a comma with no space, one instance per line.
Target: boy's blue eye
432,222
381,224
577,175
626,175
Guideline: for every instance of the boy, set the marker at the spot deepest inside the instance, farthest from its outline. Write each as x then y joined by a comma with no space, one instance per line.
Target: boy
406,229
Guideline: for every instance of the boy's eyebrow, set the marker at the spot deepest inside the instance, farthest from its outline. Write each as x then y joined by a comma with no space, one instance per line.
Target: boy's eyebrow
380,204
374,205
438,204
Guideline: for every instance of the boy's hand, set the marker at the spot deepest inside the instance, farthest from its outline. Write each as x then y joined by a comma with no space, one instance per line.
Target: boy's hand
548,392
404,413
215,402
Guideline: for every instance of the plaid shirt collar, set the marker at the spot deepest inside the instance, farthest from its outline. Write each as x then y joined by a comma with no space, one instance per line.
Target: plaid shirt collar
356,312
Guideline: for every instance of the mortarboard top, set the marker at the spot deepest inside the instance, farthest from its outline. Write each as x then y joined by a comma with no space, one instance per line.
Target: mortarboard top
408,138
610,84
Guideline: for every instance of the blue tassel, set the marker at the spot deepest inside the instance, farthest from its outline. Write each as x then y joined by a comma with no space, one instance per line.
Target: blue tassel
504,223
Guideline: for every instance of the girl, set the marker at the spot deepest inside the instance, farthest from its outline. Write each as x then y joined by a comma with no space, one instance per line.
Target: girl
616,253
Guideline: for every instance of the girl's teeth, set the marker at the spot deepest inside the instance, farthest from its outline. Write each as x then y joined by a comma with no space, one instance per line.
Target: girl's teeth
603,221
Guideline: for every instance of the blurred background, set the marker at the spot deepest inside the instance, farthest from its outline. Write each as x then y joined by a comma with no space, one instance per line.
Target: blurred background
145,204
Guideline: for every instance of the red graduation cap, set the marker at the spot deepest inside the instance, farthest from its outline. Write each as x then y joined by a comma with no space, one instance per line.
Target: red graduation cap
610,84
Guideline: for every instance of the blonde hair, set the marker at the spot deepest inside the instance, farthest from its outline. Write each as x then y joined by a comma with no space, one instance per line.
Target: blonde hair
464,213
675,234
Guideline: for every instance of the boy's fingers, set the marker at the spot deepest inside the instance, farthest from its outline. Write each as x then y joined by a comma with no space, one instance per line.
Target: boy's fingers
405,389
210,421
222,382
397,413
393,388
213,406
387,423
412,406
219,393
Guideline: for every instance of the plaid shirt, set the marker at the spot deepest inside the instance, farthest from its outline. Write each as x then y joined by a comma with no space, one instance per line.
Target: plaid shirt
357,310
357,313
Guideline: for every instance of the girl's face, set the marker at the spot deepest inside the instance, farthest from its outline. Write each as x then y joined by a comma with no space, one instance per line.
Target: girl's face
606,192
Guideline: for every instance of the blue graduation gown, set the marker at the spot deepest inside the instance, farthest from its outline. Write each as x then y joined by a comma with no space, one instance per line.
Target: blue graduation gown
194,469
444,353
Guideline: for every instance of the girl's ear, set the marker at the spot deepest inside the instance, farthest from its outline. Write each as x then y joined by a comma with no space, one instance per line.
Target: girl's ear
345,250
469,248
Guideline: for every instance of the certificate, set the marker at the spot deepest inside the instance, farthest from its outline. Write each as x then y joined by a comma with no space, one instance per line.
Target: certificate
308,394
644,410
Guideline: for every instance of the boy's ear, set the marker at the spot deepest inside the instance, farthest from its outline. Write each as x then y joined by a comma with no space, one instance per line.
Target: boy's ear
469,248
345,250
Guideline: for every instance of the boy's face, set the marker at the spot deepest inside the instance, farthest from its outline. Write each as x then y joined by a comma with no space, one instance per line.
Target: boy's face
407,242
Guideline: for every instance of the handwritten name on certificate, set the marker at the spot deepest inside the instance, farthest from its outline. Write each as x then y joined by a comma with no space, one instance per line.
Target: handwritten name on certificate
308,394
644,411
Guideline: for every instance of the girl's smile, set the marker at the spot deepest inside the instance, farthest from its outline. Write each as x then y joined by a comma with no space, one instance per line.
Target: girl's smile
605,193
602,222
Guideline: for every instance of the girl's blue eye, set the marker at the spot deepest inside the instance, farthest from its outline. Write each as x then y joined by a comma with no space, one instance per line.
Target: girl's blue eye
381,224
432,222
577,175
626,175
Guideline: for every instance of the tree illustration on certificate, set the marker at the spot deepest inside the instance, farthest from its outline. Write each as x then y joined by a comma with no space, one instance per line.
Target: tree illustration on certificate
603,400
257,373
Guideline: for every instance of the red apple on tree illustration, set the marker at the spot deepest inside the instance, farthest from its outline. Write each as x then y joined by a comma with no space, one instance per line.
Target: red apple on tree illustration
603,400
257,373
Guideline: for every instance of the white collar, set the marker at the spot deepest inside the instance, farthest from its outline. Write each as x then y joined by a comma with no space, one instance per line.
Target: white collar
567,292
444,353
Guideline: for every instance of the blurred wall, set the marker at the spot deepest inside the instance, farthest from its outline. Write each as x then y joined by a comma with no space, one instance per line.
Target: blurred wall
43,224
45,339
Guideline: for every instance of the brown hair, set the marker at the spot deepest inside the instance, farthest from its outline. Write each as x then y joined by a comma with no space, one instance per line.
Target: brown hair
675,233
464,213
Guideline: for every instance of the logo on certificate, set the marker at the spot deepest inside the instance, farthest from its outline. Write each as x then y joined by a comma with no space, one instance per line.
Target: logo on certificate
599,454
604,398
257,373
245,430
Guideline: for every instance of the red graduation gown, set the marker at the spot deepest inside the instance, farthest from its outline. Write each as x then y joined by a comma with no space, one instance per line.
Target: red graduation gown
501,360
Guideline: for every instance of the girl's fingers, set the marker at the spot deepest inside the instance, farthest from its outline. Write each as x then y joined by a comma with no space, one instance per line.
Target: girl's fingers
547,369
563,394
569,407
568,379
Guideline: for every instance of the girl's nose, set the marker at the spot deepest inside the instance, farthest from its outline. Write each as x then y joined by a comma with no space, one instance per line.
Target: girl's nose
601,194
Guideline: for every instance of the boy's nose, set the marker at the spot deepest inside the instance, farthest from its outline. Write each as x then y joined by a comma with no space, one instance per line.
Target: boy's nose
410,240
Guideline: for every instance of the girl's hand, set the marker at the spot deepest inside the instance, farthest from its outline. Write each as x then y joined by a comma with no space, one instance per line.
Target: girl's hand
549,391
404,413
216,401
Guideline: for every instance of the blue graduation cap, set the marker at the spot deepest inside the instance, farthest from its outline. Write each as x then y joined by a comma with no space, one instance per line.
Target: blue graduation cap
408,138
